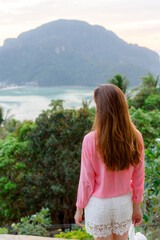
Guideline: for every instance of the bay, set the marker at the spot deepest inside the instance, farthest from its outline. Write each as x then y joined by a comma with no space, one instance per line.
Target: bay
26,103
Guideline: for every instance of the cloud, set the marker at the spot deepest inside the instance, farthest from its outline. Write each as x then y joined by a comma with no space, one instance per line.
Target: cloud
10,5
137,25
120,16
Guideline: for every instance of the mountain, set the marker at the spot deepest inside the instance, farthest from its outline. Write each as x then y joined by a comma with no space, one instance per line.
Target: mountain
71,52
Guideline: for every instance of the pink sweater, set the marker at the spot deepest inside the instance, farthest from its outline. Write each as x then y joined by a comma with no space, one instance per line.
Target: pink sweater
96,181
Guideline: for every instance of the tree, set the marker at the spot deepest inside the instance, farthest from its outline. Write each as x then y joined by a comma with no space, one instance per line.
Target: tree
120,82
55,162
152,102
151,206
147,122
12,172
150,81
40,164
149,86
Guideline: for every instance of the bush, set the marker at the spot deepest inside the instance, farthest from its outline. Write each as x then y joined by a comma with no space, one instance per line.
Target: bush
55,160
147,122
39,163
77,234
152,102
149,89
12,171
151,203
3,231
34,225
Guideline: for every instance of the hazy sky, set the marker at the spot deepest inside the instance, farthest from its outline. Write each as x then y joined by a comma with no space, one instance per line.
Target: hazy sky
135,21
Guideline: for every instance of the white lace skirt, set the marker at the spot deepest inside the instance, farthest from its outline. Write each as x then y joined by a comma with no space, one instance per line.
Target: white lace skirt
106,215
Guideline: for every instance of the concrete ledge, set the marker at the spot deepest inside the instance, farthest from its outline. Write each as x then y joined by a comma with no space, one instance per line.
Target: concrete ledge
25,237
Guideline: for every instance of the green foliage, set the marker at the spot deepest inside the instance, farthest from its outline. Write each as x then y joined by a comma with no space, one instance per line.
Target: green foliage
3,231
55,160
10,125
39,162
152,102
12,171
152,187
120,82
7,123
139,99
56,105
24,129
34,225
77,234
147,122
151,201
150,81
149,86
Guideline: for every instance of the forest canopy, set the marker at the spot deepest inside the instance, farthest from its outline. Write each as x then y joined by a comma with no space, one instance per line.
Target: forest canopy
40,161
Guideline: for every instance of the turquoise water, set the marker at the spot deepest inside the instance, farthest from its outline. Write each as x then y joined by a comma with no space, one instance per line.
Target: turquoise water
28,102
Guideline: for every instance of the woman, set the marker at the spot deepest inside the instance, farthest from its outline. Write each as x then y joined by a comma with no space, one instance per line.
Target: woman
112,169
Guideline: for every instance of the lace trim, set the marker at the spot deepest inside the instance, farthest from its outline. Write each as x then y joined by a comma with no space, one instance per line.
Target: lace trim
104,230
121,228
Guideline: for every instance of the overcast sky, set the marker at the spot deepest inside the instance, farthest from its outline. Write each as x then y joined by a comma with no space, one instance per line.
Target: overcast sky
135,21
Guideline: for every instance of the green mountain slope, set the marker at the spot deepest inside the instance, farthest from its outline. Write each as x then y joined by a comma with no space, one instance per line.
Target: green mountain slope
71,52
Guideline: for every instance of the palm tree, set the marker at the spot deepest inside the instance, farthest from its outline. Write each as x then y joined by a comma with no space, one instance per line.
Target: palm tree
7,123
11,125
149,81
149,86
120,82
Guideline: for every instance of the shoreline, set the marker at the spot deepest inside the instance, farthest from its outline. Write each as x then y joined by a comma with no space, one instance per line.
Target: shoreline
64,86
13,87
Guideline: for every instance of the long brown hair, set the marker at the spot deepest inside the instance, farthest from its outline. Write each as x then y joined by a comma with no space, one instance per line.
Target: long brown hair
117,139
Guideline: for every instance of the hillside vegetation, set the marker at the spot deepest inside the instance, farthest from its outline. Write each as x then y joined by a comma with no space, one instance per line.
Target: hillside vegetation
70,52
40,161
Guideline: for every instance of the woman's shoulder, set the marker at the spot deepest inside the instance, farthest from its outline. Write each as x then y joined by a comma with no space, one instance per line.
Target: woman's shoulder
89,143
140,135
89,139
89,136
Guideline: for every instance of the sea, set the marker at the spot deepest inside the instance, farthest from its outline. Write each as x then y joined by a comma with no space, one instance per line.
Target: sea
26,103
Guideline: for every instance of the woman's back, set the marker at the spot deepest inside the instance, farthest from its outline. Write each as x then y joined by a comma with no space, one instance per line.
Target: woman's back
97,181
112,169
